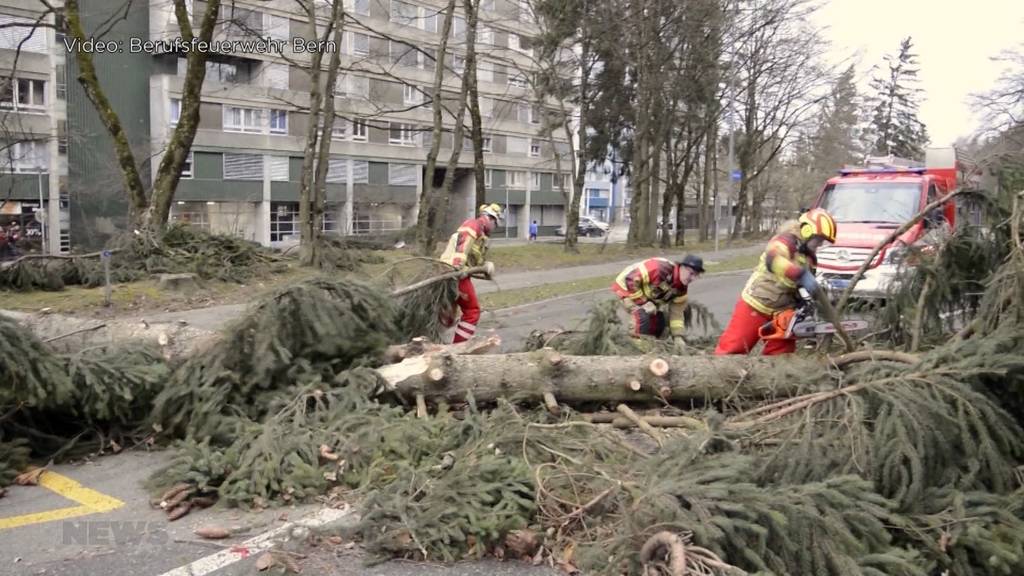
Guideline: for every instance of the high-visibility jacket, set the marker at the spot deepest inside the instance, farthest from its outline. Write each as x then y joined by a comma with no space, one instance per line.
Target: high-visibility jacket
772,287
654,280
467,246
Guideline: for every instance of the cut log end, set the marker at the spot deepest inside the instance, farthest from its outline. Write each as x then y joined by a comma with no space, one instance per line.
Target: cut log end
658,367
551,403
421,406
435,374
634,385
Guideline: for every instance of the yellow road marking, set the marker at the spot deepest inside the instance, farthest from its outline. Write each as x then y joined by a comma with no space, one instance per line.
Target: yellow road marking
89,502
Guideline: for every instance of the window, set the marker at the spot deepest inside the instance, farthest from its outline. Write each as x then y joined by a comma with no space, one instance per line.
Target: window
487,5
534,114
62,81
523,113
278,121
404,13
29,156
486,144
488,178
486,107
276,27
339,130
535,180
517,146
238,119
244,23
359,130
186,168
243,167
360,44
175,111
563,181
430,20
459,28
331,218
406,55
459,64
403,174
222,72
284,221
279,171
402,134
412,95
27,94
534,148
485,36
62,137
360,171
360,7
515,179
337,170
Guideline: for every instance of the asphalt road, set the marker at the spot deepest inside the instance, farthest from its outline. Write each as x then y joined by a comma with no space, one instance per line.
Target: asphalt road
135,539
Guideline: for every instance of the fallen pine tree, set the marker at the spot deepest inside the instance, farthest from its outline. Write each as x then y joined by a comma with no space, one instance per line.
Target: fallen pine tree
872,463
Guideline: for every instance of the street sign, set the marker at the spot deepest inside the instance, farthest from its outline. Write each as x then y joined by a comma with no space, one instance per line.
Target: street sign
737,175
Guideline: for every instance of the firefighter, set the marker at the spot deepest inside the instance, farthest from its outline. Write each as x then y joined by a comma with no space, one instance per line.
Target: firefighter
787,265
467,248
657,283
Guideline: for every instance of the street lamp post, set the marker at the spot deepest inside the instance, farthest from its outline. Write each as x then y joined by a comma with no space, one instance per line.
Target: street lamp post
506,212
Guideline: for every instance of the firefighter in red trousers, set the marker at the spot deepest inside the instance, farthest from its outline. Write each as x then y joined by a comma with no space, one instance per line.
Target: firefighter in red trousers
467,248
787,265
653,283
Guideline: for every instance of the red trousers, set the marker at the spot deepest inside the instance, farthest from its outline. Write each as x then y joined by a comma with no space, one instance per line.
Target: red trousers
741,335
470,308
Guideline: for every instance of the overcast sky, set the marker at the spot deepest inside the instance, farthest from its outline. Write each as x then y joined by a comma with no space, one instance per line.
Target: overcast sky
954,42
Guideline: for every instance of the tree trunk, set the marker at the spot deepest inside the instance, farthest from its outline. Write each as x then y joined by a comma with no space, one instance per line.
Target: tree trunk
426,221
669,197
477,131
705,219
314,255
593,379
132,180
169,172
309,234
453,159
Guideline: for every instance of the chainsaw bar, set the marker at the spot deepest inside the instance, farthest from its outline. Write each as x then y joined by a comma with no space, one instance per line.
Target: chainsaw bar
810,329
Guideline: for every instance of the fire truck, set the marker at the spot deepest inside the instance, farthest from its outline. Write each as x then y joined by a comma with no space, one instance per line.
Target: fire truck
869,202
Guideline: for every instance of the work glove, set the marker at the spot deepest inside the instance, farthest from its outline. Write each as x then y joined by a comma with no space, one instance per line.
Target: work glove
679,344
650,308
809,283
489,269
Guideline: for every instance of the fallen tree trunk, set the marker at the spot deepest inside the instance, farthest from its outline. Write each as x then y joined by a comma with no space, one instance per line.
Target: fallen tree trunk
582,379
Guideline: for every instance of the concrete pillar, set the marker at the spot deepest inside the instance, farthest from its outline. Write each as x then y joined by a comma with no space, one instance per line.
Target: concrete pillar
524,212
262,224
347,213
53,220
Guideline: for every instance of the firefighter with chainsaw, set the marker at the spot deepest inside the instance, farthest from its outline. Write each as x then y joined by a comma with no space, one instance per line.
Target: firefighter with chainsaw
467,248
766,308
647,288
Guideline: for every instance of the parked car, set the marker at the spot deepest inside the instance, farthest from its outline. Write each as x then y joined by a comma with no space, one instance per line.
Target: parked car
588,226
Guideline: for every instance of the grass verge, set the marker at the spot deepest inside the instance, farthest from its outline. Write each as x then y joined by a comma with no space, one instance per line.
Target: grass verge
509,298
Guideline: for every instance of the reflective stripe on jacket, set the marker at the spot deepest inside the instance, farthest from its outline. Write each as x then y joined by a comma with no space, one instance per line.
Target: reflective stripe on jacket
772,287
466,246
655,280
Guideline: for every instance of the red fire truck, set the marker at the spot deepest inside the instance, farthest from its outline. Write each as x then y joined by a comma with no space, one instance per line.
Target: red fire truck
871,201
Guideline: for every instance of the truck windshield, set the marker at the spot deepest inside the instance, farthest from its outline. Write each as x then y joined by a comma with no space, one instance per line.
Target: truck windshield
881,202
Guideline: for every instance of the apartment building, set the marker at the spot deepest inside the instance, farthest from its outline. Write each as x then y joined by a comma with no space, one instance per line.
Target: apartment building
33,136
244,168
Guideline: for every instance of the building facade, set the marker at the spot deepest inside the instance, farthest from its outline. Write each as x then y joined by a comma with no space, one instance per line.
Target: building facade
245,165
33,129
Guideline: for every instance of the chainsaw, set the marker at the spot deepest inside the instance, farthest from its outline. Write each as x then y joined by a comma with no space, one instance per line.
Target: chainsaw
801,322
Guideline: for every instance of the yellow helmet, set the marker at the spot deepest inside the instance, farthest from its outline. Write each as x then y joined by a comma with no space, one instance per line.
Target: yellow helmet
492,210
817,222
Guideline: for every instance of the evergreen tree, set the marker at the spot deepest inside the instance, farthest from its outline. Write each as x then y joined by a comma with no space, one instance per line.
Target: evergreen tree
837,137
895,126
